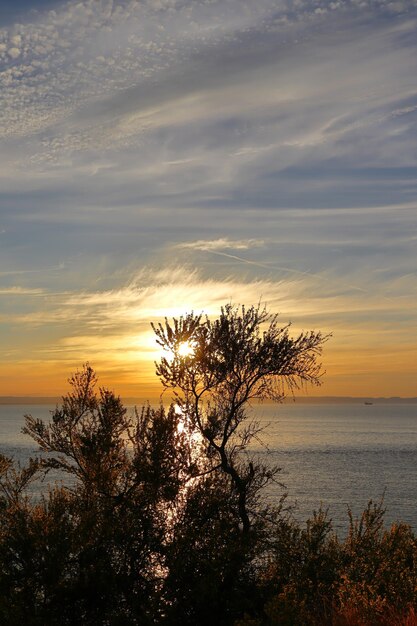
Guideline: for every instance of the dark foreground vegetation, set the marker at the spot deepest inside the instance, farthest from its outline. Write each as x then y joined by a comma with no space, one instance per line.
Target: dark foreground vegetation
161,519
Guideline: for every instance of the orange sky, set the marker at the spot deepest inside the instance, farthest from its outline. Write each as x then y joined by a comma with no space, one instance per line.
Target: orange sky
111,330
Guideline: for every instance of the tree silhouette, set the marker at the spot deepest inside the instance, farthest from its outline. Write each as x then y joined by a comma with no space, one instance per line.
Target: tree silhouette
242,355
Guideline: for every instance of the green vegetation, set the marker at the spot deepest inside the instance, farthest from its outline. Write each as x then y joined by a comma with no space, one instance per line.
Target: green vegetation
161,519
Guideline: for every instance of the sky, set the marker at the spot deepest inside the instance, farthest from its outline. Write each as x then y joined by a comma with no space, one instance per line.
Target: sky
163,156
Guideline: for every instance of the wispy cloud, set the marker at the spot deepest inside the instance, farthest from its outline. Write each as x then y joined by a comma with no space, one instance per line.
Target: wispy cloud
223,243
112,327
153,295
21,291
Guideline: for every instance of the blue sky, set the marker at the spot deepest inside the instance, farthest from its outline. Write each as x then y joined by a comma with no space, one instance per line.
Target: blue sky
164,155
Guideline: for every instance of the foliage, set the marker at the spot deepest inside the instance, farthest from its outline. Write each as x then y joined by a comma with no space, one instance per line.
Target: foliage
160,518
110,524
315,578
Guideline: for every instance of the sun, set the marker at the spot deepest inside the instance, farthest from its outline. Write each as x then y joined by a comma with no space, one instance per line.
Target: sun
185,348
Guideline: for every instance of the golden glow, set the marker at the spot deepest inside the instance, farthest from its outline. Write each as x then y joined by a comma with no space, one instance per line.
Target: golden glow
111,330
186,348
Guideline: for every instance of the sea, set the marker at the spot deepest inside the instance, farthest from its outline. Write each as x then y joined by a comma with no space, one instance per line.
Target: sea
334,456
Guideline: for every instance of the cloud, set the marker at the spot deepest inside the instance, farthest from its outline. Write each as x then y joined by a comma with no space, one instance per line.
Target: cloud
154,294
14,52
133,59
222,243
21,291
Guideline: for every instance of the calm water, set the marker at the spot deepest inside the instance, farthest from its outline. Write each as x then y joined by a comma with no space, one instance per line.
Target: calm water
334,454
344,455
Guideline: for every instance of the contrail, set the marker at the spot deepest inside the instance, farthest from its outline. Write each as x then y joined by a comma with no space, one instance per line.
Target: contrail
278,267
267,267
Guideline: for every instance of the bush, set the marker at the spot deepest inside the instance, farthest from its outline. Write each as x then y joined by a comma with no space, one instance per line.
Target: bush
314,578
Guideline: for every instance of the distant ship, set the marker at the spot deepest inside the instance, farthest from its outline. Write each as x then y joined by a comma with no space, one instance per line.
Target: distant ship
368,403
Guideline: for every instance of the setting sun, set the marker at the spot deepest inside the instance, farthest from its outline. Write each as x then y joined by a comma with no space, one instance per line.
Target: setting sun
186,348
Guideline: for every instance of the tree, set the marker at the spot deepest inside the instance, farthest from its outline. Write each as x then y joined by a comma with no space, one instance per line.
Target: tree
241,356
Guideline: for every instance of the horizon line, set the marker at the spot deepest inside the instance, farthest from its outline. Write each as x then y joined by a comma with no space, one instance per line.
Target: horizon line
29,399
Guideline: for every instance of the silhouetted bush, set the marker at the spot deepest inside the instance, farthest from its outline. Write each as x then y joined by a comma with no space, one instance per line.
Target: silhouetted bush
315,578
